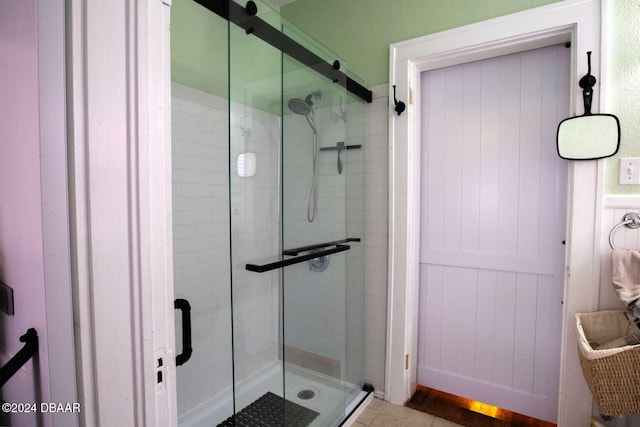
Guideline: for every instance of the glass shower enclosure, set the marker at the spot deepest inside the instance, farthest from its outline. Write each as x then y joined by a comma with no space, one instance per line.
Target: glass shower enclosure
268,227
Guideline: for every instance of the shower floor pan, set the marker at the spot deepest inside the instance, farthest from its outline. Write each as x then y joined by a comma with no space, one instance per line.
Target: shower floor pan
316,392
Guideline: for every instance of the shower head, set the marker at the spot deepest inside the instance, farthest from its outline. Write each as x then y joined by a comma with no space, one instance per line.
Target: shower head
299,106
304,107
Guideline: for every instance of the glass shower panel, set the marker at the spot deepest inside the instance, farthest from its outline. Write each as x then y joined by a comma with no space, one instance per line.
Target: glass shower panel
200,179
314,169
288,190
255,92
353,114
267,167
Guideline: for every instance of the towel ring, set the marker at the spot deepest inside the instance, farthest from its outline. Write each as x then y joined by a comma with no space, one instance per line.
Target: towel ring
630,220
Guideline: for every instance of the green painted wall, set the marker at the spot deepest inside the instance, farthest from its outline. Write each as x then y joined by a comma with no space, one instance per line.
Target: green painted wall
623,87
198,48
203,48
362,30
358,31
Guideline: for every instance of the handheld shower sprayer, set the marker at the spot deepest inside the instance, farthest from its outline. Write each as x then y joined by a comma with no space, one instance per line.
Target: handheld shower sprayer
304,107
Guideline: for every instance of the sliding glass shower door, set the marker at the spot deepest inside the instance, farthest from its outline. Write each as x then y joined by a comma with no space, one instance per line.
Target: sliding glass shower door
314,163
276,248
290,241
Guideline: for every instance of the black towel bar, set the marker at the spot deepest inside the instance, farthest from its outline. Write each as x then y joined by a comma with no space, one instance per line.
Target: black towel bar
261,268
296,251
332,248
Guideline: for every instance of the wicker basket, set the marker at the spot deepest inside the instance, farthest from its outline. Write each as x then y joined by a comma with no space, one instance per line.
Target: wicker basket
613,375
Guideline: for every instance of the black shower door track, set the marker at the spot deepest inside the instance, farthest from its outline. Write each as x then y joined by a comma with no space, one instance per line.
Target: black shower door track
243,18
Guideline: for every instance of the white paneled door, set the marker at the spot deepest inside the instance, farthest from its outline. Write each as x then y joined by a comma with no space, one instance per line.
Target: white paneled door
493,194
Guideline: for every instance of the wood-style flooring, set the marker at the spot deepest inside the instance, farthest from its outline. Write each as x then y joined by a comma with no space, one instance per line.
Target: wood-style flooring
468,412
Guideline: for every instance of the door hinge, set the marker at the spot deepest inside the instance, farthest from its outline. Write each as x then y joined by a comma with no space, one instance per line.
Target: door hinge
406,361
410,96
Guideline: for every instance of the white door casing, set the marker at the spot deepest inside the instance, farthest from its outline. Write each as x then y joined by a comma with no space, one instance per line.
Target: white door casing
577,21
120,191
492,228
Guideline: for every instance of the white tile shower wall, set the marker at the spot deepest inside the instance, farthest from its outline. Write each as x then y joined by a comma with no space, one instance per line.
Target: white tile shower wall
314,312
201,241
255,232
615,207
365,204
202,237
200,146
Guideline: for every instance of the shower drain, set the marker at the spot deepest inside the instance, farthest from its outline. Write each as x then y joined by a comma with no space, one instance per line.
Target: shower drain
306,394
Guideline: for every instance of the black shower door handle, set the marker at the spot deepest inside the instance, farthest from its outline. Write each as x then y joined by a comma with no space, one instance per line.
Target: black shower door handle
184,306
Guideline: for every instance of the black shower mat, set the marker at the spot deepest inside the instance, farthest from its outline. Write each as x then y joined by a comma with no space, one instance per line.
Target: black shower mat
271,411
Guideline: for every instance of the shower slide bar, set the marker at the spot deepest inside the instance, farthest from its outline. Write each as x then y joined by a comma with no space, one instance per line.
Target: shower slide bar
29,350
245,18
338,246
